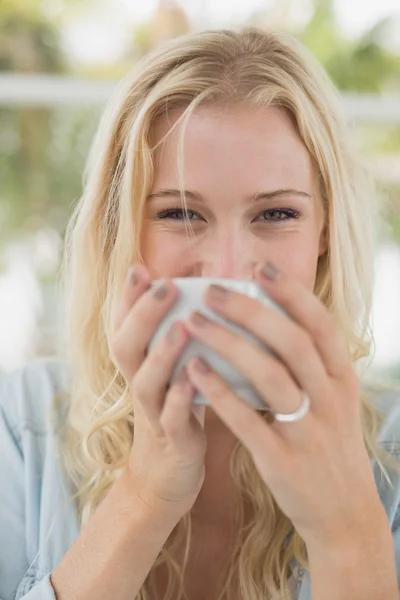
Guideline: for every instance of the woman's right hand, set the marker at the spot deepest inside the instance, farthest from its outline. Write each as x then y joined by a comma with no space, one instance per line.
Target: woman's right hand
166,463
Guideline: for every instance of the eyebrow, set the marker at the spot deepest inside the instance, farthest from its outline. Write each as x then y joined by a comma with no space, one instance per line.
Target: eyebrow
253,198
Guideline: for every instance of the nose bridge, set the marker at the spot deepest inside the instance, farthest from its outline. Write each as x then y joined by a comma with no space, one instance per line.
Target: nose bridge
227,252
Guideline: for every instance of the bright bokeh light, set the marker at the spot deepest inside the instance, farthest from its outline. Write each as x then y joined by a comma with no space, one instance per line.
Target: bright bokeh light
110,31
20,305
102,37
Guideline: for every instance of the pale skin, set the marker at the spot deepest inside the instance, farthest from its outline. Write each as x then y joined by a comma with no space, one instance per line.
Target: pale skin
310,465
230,155
254,151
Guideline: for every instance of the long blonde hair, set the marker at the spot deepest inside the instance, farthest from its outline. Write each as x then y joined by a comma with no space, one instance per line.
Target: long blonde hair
252,67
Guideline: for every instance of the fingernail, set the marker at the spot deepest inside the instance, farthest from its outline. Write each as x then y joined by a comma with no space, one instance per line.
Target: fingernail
161,291
182,377
270,271
198,319
218,292
201,365
132,276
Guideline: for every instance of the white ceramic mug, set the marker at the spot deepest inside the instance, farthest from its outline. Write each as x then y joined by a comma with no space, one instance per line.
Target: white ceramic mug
191,290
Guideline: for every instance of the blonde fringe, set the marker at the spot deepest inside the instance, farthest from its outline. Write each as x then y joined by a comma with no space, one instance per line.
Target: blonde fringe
256,68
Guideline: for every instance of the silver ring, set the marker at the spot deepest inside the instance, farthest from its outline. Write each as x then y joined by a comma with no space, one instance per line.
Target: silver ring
298,414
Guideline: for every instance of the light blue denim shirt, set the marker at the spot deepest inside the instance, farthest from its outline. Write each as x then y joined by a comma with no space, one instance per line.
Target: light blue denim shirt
38,521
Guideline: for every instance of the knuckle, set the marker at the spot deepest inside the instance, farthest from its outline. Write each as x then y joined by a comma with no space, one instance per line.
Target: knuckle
276,377
323,327
318,445
171,427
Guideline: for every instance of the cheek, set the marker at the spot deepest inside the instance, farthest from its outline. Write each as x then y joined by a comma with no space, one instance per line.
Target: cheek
298,260
296,253
163,254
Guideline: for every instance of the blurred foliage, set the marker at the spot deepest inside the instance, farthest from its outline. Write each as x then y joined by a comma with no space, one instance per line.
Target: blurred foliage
53,10
365,66
362,65
380,138
359,65
43,151
41,169
29,43
169,21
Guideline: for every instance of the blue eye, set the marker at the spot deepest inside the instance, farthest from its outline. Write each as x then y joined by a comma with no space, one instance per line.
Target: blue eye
288,214
169,212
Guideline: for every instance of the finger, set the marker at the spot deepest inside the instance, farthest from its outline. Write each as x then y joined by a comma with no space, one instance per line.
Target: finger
270,377
310,313
133,337
150,382
181,421
136,282
241,418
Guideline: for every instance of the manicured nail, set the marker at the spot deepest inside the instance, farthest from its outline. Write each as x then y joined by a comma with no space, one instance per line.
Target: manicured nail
270,271
161,291
182,377
218,292
199,320
201,365
133,277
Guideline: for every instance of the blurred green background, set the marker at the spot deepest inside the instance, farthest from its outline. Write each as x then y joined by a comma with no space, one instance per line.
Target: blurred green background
59,61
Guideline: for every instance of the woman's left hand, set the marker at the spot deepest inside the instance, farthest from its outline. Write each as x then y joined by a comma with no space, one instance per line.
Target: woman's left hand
317,468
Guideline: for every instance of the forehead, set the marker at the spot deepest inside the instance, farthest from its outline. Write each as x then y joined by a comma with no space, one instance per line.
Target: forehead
239,142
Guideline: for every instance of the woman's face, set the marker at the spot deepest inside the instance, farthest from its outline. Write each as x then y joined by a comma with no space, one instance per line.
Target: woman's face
231,157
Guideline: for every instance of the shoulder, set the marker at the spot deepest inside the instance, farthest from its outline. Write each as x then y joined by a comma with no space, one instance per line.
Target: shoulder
387,474
34,393
386,400
38,517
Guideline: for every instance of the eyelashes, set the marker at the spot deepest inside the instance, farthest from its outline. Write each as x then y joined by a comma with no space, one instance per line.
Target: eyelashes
170,214
289,213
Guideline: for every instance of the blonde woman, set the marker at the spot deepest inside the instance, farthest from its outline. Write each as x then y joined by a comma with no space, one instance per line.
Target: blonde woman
222,154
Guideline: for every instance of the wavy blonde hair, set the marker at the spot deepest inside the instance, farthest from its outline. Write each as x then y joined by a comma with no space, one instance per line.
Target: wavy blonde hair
255,68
